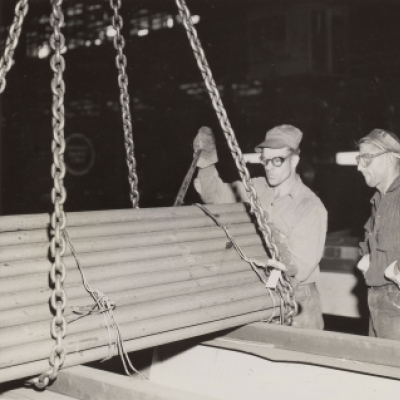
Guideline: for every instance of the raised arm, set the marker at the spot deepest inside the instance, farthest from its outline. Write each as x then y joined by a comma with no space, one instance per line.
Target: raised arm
208,183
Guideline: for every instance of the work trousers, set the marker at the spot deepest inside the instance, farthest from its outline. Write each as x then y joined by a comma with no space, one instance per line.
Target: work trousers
384,308
310,312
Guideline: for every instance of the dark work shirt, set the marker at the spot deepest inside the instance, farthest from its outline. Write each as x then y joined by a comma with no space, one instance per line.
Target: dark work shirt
382,234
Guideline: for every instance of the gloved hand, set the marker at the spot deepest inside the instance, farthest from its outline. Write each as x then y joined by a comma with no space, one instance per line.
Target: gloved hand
363,264
276,264
205,141
392,272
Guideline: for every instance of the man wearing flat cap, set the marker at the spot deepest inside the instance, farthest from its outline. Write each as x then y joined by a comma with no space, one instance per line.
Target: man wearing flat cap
379,162
296,214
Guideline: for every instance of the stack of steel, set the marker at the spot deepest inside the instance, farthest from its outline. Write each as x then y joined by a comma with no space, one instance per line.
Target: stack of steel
171,272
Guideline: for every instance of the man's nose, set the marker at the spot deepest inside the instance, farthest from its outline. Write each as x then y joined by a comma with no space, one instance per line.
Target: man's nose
269,166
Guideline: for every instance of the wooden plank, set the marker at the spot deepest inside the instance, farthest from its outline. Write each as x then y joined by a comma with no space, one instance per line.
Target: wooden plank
90,384
368,350
268,351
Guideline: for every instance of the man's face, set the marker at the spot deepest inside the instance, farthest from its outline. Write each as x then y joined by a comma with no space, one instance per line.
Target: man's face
277,175
376,171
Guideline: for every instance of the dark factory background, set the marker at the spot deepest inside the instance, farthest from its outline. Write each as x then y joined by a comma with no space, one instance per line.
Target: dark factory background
329,67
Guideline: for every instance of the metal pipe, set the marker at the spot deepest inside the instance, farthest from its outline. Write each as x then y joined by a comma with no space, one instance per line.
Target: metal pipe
41,312
123,228
28,333
87,245
13,268
14,223
85,340
98,273
98,353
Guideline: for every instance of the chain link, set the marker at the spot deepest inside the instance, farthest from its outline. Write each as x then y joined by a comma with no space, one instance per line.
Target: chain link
255,205
119,44
58,298
14,33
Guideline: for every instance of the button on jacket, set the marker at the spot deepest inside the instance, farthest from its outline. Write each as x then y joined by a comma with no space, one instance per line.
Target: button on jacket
382,234
299,215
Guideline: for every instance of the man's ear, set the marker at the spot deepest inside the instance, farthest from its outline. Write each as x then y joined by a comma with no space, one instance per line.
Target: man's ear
295,160
390,160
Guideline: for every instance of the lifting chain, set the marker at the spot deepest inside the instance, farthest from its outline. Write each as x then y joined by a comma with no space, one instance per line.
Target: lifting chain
58,298
14,33
119,44
285,288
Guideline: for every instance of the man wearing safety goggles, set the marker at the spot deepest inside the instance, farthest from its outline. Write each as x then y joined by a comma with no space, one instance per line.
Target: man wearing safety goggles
379,162
297,217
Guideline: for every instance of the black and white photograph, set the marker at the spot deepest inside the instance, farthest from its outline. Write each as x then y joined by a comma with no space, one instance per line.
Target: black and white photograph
199,199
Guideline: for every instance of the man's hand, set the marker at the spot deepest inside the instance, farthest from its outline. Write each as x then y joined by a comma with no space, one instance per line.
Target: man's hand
363,264
392,272
205,142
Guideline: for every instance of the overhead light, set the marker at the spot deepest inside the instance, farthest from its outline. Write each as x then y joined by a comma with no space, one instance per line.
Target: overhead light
346,158
44,51
97,42
170,22
143,32
110,31
195,19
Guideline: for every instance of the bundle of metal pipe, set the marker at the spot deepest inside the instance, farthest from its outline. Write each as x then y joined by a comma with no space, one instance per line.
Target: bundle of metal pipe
166,270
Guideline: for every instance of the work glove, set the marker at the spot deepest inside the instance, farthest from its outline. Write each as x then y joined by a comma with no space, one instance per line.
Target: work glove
392,272
205,142
363,264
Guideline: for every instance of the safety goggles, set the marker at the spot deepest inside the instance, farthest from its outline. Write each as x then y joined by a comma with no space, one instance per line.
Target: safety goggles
365,159
276,161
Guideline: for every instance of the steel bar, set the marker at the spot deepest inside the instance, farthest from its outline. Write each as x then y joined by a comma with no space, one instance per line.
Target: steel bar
14,268
38,221
126,298
98,353
41,311
86,340
35,332
123,228
98,273
86,245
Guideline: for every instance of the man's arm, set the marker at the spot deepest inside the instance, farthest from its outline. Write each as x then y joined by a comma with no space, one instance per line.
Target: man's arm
208,183
213,190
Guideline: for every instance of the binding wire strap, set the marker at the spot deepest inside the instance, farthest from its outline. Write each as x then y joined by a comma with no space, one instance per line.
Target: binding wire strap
253,262
103,305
